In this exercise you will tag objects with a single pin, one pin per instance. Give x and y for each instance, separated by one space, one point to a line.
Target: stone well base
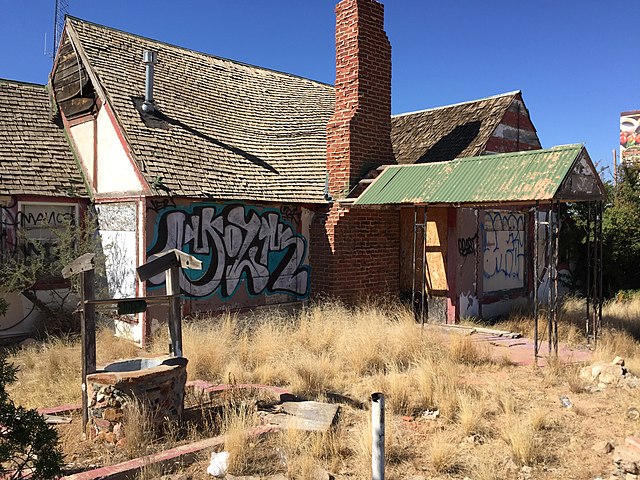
158 383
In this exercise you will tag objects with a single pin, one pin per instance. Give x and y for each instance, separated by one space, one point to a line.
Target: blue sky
577 63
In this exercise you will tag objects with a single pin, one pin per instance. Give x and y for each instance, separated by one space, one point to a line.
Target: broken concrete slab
307 415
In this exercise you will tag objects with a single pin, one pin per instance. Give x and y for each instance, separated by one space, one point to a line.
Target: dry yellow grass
471 412
238 417
138 428
444 453
520 437
330 348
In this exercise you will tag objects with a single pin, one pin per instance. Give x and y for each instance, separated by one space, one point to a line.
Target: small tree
621 232
32 262
620 235
28 446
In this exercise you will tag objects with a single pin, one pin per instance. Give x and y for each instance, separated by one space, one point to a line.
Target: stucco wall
115 170
83 136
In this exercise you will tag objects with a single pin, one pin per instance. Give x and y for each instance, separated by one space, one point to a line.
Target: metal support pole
413 259
172 277
536 238
377 436
556 253
588 322
549 274
424 269
88 333
600 268
594 272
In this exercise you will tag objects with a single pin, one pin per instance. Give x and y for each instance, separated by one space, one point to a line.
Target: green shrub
28 446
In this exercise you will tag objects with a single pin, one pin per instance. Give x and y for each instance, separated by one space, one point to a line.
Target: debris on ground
305 415
430 414
626 462
604 447
56 419
565 402
219 464
600 375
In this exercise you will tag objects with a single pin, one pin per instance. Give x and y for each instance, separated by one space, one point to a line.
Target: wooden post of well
175 309
84 265
88 331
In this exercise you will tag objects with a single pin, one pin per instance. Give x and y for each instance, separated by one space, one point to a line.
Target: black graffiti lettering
468 246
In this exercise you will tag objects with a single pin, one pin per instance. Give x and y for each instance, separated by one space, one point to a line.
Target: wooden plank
81 264
71 76
165 261
182 455
88 334
56 419
63 71
436 249
69 90
175 310
77 106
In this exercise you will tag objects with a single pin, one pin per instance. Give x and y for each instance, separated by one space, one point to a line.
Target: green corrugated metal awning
502 178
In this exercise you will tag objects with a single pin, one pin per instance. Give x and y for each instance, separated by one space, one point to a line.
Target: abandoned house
41 191
286 187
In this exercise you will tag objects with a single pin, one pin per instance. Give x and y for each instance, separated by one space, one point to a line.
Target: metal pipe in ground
377 436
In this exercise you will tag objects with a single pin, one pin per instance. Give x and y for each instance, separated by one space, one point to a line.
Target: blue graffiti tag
503 246
237 245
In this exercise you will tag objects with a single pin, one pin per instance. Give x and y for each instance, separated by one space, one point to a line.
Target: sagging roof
563 173
35 157
226 129
444 133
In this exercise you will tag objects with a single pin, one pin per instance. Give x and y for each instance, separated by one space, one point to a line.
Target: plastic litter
219 464
566 403
430 414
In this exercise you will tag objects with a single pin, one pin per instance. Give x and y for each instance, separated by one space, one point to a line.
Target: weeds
349 352
138 428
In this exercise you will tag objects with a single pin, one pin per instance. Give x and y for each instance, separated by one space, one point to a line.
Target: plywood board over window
42 223
435 250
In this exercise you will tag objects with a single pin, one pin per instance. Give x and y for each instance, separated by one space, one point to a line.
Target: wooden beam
88 334
175 310
81 264
165 261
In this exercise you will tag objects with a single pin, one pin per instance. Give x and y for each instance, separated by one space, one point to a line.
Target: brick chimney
359 132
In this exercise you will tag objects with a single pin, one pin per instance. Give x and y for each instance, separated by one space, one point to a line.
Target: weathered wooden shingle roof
228 130
35 158
445 133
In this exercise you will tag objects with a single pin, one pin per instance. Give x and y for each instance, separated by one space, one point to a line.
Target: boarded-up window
42 224
503 250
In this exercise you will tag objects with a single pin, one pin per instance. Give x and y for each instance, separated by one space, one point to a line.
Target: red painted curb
60 409
185 454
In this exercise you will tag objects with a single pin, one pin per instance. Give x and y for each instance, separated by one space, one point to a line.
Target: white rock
219 464
618 361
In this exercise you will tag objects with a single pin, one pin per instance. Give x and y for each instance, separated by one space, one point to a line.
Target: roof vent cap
149 58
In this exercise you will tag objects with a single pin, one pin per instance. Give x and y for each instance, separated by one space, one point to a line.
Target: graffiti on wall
503 250
238 244
38 223
467 246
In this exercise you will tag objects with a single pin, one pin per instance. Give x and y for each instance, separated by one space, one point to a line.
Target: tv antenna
62 8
